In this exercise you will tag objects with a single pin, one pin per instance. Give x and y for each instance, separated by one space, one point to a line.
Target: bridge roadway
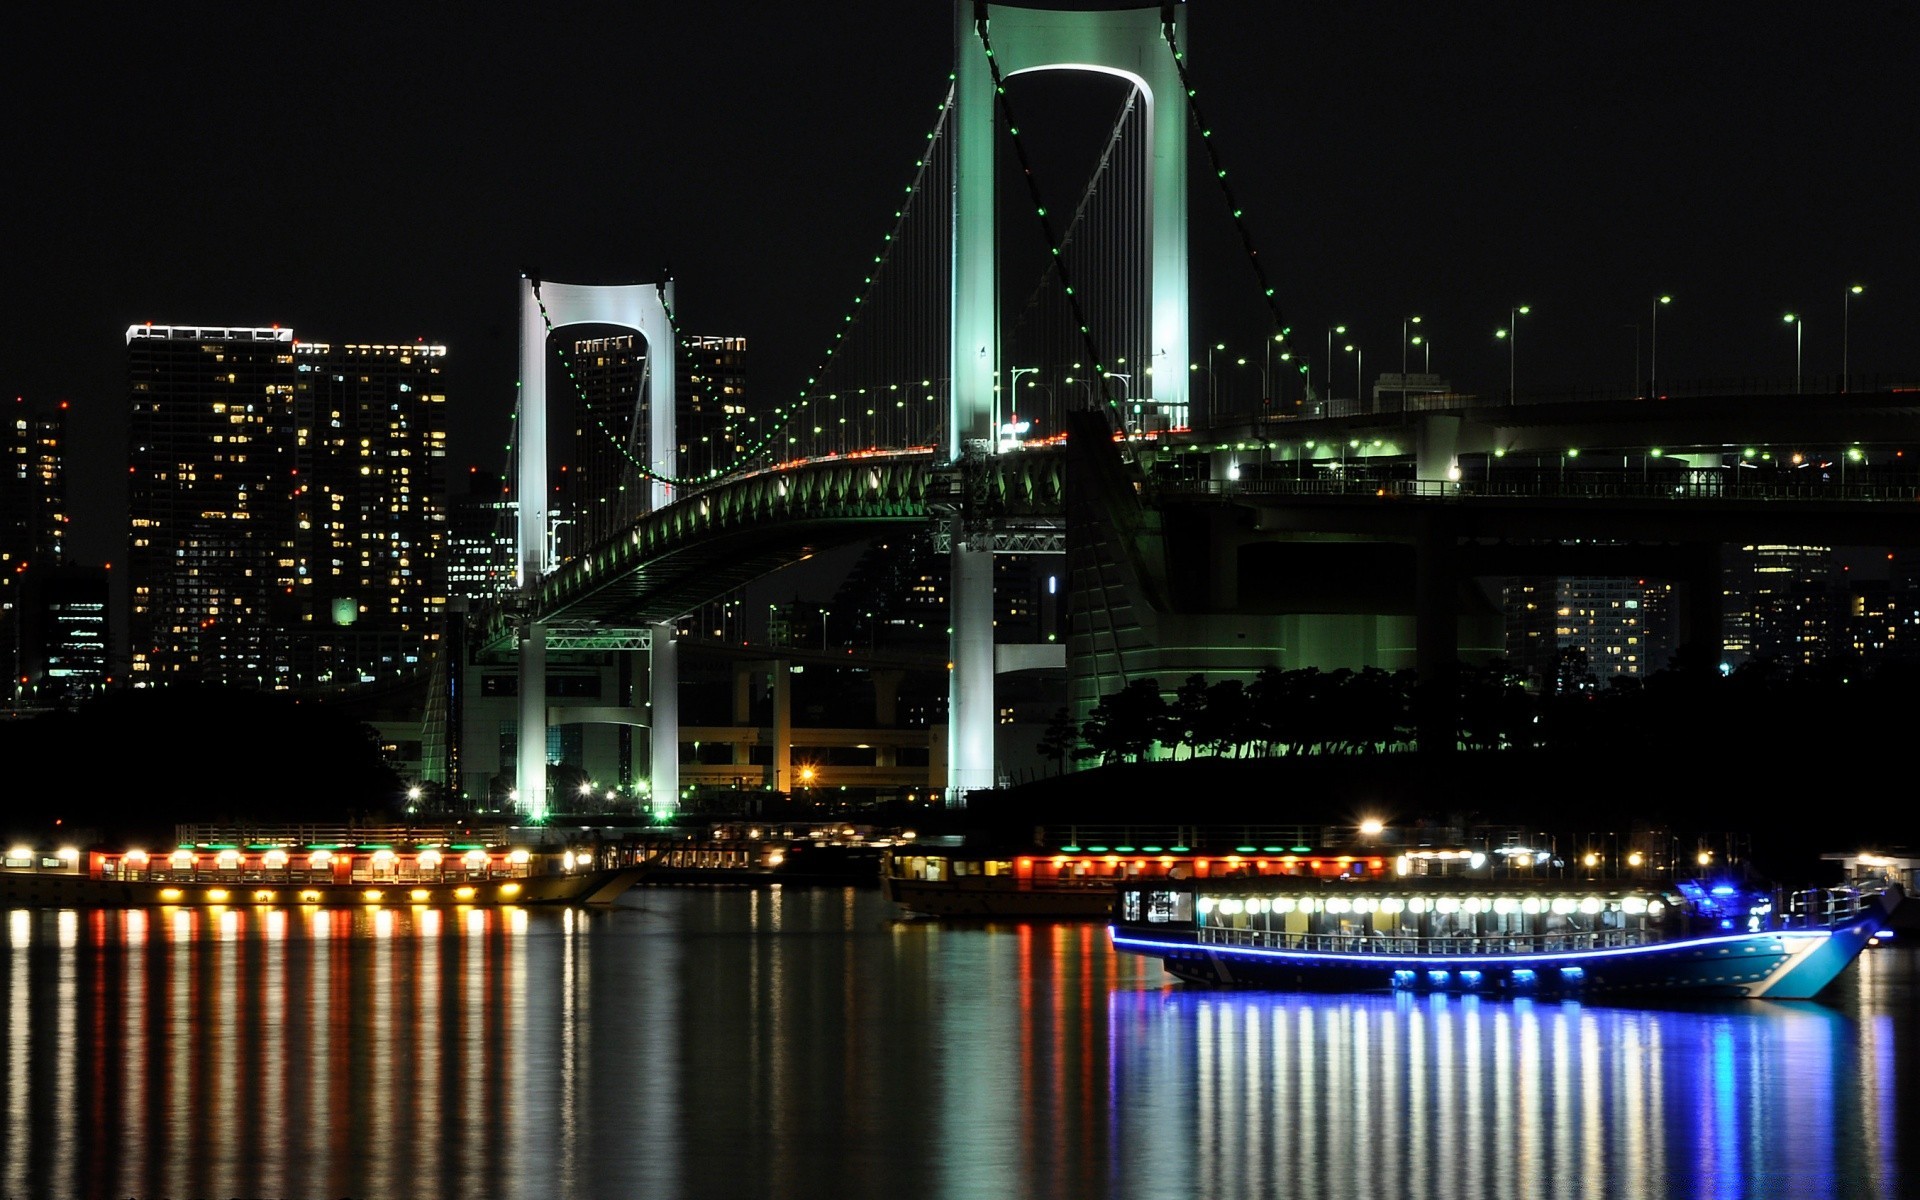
1646 471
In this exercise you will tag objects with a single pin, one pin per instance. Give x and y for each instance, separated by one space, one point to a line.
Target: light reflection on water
800 1043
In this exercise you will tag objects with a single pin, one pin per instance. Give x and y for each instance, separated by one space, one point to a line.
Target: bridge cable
1046 222
1280 328
580 391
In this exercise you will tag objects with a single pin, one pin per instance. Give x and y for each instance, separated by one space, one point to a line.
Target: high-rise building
710 401
63 647
286 507
33 528
480 535
599 481
1782 604
1575 633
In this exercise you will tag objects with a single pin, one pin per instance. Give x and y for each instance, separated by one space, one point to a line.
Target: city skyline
1391 162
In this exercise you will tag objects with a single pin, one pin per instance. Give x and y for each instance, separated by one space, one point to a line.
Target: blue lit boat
1458 934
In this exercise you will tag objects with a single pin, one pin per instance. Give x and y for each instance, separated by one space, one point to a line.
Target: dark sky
386 172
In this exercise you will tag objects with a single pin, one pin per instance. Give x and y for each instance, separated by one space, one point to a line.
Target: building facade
287 510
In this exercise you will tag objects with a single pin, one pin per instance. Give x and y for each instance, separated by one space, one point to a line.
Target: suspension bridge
922 413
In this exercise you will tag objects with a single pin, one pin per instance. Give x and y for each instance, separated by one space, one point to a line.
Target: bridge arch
1127 43
644 308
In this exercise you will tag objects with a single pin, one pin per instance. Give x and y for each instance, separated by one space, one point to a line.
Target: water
802 1042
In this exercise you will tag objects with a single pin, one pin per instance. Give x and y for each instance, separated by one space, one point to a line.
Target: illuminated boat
274 872
1465 934
1072 876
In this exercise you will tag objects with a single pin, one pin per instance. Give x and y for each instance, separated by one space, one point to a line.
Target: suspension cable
580 391
1040 210
1280 329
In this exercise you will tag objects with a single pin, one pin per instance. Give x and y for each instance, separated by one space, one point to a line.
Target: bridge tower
1130 43
644 308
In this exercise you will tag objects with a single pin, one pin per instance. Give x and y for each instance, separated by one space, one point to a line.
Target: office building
286 508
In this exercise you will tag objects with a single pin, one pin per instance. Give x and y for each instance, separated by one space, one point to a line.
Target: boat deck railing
1437 947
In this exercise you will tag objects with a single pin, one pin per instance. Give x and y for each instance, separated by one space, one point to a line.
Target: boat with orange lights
326 866
1071 873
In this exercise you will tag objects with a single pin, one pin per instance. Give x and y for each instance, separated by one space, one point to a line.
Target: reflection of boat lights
419 893
309 896
217 895
509 889
463 893
263 895
373 895
169 893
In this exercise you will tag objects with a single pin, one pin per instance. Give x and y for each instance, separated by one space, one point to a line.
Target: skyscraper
286 507
33 526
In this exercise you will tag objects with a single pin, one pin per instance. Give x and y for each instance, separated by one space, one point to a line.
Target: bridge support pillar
886 709
1436 633
970 708
1437 449
781 677
743 677
530 752
663 696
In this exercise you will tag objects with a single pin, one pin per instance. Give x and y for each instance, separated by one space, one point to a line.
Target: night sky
380 174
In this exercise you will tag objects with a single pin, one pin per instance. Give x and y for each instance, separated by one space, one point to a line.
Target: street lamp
1794 321
1213 384
1511 334
1653 349
1359 371
1846 302
1331 330
1266 372
1126 400
1013 397
1403 359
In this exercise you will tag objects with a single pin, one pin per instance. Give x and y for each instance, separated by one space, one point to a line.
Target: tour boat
272 870
1473 932
1070 873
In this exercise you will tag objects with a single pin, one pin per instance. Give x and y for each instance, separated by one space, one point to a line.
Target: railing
1532 486
1819 908
432 834
1343 943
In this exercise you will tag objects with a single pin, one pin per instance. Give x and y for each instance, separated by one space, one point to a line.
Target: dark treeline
134 763
1760 709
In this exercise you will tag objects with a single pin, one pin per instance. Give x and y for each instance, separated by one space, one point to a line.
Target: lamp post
1331 330
1127 420
1653 349
1266 373
1403 359
1794 321
1846 304
1013 399
1359 371
1213 384
1511 334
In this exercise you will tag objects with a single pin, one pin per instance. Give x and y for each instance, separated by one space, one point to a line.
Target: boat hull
993 898
51 889
1792 964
